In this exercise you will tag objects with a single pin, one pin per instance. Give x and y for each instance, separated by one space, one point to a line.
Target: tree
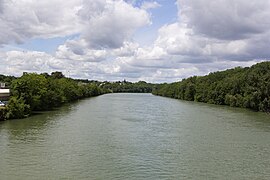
32 88
238 87
57 75
17 108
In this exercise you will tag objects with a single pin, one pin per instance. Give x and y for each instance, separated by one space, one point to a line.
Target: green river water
137 136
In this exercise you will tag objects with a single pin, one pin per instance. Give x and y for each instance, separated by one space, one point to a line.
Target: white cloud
208 36
178 39
155 53
208 31
77 50
150 5
17 62
102 23
108 23
128 49
226 19
20 20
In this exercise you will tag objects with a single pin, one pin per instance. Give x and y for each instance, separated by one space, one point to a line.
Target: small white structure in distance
4 94
2 85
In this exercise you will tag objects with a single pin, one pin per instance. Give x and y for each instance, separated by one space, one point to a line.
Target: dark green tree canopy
238 87
57 75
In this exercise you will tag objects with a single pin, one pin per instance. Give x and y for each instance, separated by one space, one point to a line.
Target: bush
3 113
17 108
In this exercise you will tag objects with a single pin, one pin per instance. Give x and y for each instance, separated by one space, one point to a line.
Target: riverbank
2 113
239 87
39 92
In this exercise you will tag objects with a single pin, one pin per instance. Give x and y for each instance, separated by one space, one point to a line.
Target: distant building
4 94
2 85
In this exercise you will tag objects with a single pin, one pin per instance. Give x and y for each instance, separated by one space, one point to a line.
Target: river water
137 136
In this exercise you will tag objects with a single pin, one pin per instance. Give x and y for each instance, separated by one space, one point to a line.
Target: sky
154 41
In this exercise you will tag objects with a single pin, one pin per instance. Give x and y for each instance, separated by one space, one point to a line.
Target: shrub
17 108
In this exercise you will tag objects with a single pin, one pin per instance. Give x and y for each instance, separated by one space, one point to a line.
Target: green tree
32 88
237 87
17 108
57 75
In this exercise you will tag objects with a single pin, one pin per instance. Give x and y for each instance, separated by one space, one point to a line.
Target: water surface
137 136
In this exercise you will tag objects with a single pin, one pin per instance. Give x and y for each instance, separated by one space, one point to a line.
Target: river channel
137 136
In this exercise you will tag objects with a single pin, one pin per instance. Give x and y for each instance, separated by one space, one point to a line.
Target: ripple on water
137 136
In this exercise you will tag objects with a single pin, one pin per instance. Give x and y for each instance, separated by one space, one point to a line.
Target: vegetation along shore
247 87
39 92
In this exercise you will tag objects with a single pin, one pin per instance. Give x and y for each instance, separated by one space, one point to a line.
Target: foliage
32 88
57 75
238 87
17 108
37 92
3 112
6 79
128 87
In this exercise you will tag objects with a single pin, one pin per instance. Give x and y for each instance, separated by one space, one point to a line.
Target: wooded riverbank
38 92
247 87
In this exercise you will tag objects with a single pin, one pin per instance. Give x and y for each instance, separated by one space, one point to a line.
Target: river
137 136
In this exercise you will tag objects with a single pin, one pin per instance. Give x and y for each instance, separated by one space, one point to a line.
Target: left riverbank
40 92
3 113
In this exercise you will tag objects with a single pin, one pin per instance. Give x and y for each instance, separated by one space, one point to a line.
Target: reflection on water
137 136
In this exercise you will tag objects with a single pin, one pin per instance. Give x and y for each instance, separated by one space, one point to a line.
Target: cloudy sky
151 40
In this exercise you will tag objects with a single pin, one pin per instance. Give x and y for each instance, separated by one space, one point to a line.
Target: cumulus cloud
25 19
207 31
77 50
226 19
127 50
207 36
17 62
109 23
102 23
150 5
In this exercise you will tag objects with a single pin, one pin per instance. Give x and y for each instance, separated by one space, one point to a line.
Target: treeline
6 79
38 92
239 87
122 86
127 87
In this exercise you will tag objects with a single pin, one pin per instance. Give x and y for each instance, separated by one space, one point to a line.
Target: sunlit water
137 136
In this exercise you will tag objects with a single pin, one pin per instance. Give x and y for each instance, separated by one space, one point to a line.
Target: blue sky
40 44
165 14
155 41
